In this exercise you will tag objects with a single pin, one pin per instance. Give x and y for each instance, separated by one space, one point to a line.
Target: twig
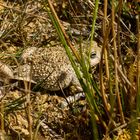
115 65
63 31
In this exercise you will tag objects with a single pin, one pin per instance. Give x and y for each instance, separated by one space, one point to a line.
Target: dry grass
114 104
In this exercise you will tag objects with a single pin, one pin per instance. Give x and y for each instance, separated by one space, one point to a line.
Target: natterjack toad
50 66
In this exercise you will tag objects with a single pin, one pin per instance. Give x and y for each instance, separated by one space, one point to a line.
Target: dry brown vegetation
37 114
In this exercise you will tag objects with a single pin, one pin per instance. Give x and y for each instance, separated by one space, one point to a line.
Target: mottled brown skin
49 66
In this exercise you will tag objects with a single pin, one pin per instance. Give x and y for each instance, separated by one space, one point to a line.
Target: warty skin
50 67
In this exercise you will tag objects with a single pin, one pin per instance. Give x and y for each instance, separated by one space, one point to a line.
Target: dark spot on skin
62 77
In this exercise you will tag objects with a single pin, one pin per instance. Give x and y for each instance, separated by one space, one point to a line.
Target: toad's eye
93 55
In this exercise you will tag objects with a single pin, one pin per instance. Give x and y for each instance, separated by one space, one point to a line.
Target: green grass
112 92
